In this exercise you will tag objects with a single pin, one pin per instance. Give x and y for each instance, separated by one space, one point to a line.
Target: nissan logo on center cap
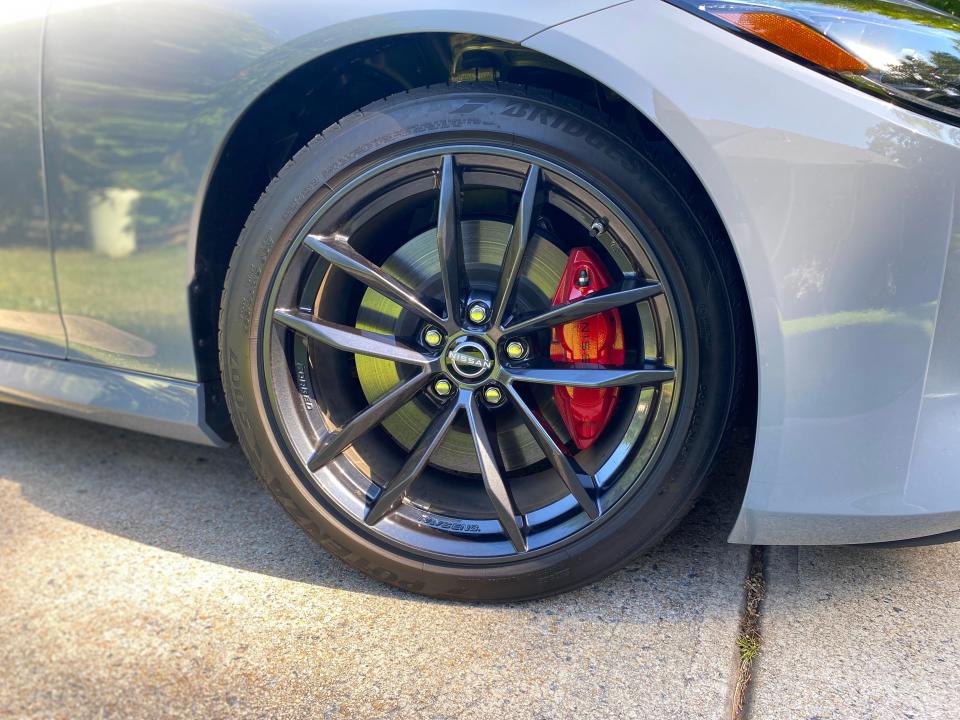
469 359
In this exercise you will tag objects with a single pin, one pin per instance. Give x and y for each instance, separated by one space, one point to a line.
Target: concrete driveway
860 633
148 578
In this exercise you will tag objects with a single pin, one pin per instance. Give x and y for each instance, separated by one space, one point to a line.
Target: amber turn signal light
794 37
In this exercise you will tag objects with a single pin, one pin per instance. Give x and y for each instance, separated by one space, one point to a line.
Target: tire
692 262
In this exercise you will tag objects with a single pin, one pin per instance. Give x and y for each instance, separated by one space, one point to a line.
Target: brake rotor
416 263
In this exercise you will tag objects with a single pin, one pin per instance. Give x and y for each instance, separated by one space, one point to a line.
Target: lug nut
477 313
516 350
493 394
432 337
443 387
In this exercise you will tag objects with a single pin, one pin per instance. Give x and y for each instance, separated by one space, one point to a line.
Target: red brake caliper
596 340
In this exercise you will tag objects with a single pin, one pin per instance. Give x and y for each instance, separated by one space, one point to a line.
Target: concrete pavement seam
748 635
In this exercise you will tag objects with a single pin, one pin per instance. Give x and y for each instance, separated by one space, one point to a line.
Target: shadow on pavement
206 503
144 577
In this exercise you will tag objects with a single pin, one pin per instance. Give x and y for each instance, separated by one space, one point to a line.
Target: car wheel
477 344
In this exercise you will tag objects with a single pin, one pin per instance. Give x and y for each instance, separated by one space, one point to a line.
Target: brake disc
417 264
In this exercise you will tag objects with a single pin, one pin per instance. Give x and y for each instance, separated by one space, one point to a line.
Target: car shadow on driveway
206 503
127 558
183 557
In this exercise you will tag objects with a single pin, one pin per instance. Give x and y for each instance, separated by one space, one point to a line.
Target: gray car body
841 209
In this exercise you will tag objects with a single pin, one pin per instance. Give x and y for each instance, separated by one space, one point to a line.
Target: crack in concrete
748 636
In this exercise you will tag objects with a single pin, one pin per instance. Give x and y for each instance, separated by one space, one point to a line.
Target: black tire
686 244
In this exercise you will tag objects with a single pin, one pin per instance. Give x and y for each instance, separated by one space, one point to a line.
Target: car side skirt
146 403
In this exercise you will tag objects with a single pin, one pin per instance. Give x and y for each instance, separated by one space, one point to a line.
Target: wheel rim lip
307 479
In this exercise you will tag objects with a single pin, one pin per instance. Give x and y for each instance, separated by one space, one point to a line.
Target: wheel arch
263 137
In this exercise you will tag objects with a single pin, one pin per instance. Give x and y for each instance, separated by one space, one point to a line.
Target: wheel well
312 97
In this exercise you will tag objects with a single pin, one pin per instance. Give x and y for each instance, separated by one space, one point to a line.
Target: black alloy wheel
389 331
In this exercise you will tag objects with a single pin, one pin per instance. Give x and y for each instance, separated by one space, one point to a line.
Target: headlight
903 50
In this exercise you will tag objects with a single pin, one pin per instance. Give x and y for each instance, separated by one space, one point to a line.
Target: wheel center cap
469 359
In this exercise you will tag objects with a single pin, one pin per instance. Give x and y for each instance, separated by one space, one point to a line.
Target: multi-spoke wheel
468 361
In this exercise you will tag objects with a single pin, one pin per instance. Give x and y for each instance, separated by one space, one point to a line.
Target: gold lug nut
516 350
432 337
443 387
493 395
477 313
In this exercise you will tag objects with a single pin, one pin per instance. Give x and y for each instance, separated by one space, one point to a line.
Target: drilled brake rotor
417 265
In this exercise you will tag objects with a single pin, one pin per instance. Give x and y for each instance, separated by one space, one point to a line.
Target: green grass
749 648
879 317
124 291
144 294
950 6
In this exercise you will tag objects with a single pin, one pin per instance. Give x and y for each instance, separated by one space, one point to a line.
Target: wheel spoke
350 339
337 251
492 478
585 307
593 377
516 246
339 440
576 480
449 240
392 493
